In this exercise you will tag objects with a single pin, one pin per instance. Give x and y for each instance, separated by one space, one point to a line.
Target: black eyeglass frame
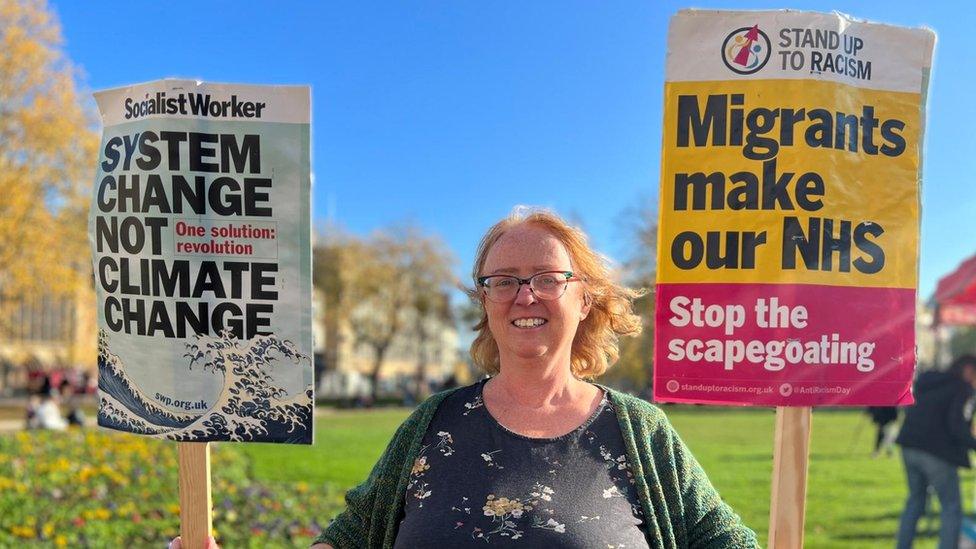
483 283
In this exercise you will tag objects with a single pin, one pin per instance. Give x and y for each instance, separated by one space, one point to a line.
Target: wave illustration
249 407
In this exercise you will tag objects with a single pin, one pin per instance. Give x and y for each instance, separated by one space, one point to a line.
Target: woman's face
548 326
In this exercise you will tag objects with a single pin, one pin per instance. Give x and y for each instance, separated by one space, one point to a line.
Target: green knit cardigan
681 508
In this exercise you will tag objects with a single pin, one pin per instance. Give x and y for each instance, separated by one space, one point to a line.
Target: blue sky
447 114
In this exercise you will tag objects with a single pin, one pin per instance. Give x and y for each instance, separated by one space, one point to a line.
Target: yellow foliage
47 147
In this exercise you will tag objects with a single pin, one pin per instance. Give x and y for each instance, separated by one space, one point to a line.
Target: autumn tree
47 151
329 257
634 370
429 277
388 287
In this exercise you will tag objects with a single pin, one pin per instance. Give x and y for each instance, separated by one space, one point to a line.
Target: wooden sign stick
791 451
196 515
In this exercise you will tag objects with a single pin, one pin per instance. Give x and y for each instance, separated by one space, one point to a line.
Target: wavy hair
595 346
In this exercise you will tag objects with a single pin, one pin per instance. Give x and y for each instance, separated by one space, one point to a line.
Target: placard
789 209
200 234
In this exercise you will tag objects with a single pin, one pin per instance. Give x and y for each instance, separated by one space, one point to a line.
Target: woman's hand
177 543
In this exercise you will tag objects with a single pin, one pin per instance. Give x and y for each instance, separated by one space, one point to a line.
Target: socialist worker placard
200 235
789 209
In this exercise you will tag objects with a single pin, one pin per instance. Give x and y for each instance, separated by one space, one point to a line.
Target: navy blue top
476 483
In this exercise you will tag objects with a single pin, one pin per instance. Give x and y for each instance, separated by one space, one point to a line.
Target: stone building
46 334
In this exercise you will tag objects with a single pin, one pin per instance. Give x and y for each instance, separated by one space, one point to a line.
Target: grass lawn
853 500
347 444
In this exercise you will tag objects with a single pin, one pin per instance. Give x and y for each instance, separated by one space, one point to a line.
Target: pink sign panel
784 345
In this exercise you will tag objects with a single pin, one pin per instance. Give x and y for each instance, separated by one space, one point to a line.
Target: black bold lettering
159 320
194 197
106 265
794 240
257 317
775 189
111 154
155 195
112 305
233 204
759 122
691 120
820 133
809 185
199 320
745 196
695 184
895 141
261 276
252 197
132 234
872 249
150 154
845 132
107 233
165 281
713 254
840 245
692 259
234 325
208 280
173 140
868 124
198 152
249 154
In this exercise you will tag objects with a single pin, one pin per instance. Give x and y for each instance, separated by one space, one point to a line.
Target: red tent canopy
956 295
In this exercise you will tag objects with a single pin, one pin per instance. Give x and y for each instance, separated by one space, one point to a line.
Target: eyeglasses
546 285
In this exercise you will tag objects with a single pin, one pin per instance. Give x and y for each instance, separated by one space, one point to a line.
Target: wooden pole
196 515
791 451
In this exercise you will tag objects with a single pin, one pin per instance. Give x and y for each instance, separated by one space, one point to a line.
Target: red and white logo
746 50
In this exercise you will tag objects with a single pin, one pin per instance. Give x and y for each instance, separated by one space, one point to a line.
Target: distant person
936 437
449 383
75 417
48 413
884 418
33 404
89 383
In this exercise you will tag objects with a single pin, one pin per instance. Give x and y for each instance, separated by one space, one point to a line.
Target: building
412 360
45 334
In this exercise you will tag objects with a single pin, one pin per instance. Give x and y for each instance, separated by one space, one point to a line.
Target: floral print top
475 483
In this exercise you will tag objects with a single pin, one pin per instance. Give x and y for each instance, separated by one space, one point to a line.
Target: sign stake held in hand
196 510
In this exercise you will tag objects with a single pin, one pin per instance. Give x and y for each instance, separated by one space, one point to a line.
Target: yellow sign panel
811 184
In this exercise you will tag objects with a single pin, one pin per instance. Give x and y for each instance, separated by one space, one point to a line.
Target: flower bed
87 488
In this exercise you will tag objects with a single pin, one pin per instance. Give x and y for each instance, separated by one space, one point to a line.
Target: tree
47 147
386 288
329 256
633 371
429 275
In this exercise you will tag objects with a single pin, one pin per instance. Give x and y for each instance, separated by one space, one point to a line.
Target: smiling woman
539 453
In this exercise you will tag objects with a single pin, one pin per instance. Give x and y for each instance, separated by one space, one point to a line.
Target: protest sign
789 209
201 247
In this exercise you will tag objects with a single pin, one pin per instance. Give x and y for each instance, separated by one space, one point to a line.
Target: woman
536 454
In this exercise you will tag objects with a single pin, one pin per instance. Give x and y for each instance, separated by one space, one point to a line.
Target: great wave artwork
249 408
